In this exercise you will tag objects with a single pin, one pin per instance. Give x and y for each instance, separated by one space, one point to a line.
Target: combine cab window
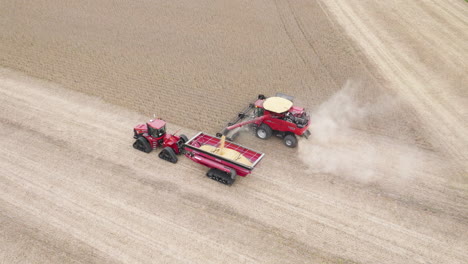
258 112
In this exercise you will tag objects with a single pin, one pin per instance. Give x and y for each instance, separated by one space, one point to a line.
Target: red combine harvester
153 134
226 160
272 116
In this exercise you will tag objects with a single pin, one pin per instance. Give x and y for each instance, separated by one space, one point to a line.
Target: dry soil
383 179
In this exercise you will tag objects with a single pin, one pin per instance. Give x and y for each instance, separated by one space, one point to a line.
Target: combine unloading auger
244 117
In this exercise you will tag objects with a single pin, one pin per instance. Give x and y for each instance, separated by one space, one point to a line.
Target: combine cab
272 116
152 135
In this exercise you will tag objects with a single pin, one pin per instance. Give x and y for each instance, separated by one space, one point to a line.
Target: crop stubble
192 63
79 193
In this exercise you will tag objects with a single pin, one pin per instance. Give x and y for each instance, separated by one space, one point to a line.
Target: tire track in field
395 239
86 209
118 206
90 194
306 51
279 218
438 100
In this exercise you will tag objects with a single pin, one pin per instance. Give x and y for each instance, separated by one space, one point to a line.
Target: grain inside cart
226 159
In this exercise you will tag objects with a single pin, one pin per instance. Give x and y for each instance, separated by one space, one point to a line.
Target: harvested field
382 180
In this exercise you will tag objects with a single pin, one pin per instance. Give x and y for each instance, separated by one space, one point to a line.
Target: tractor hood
140 129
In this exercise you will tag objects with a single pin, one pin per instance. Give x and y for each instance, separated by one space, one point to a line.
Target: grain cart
225 159
272 116
153 134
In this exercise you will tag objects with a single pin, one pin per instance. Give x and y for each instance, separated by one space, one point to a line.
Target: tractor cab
153 134
156 128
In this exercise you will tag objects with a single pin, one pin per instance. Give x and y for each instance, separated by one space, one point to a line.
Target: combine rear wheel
168 154
290 141
221 176
142 144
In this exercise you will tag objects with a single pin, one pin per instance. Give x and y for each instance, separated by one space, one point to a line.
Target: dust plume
341 145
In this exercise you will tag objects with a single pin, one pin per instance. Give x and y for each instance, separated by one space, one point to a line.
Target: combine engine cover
298 116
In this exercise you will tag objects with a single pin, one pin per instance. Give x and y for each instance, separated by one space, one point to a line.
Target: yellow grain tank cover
277 104
227 153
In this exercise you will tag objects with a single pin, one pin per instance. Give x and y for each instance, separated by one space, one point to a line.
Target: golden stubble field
382 180
205 58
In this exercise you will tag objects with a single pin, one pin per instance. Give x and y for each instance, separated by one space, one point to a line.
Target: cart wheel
142 144
264 131
221 176
184 138
233 176
168 154
290 141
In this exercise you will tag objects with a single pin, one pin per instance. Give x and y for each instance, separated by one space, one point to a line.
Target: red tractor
274 115
153 134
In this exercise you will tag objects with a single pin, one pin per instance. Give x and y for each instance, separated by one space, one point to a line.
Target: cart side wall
218 163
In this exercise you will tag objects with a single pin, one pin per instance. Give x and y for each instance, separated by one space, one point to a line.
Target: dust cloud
341 145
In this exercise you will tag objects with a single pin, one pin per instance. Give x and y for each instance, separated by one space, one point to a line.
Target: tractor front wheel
142 144
168 154
290 141
184 138
264 131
